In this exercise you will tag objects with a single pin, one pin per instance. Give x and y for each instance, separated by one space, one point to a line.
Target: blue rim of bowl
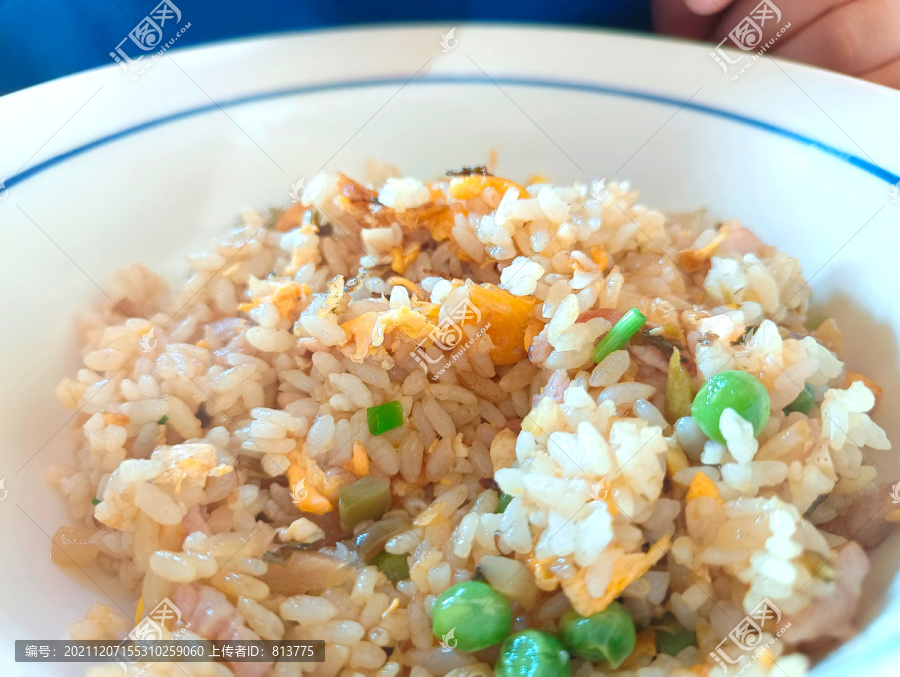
594 88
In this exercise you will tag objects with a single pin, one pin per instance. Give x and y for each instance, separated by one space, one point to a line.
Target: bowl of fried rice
459 401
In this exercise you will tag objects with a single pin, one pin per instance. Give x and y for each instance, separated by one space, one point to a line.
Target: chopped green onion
395 567
673 643
503 502
367 498
803 402
385 417
163 420
95 500
619 335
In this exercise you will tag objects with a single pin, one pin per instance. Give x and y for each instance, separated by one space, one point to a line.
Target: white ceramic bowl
102 170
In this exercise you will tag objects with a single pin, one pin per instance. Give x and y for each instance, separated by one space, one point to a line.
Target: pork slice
864 520
830 617
555 388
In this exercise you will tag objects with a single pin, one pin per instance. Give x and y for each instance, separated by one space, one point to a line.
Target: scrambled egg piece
359 461
701 485
473 185
867 382
625 571
311 490
401 260
188 464
599 257
369 329
411 322
362 204
115 418
336 300
286 298
692 260
510 318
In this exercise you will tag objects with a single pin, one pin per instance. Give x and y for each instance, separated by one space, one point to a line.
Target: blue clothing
45 39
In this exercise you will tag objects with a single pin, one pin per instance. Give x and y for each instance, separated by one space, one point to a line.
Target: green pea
532 653
673 643
607 635
470 616
736 390
504 501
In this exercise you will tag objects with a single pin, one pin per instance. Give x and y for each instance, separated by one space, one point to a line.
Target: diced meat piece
830 617
219 333
540 348
250 669
652 356
514 424
237 631
185 598
195 520
740 240
864 519
555 388
238 344
610 314
212 614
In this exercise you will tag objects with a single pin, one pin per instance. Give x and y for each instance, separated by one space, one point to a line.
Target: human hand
856 37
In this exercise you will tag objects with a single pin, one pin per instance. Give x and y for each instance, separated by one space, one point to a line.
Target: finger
707 7
799 14
887 75
857 38
672 17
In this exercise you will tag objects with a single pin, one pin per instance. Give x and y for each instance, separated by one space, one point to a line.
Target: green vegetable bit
273 557
373 538
673 643
95 500
385 417
608 636
679 389
619 335
736 390
532 653
814 319
502 503
803 402
367 498
395 567
470 616
163 420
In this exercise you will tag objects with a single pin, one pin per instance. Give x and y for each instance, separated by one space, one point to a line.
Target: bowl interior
568 104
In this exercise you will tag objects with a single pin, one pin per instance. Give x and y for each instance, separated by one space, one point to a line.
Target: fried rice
219 421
